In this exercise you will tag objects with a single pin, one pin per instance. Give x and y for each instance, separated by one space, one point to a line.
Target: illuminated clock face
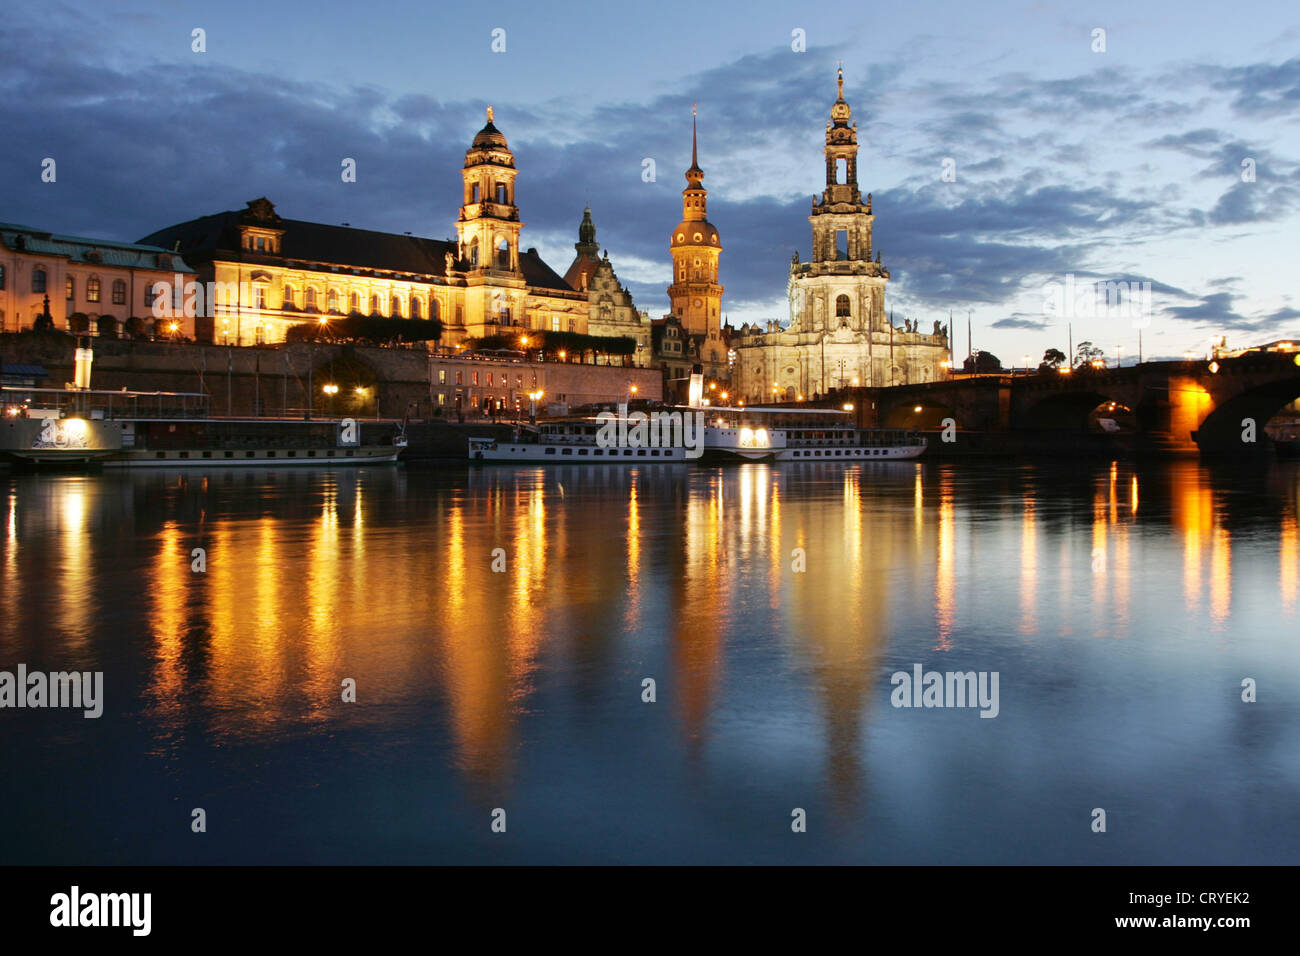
698 303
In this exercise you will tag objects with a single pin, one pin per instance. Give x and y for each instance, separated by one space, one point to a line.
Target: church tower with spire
695 294
840 335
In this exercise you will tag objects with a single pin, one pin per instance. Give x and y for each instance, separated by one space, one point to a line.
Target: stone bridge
1163 407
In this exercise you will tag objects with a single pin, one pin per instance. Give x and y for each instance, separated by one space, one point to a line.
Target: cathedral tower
695 294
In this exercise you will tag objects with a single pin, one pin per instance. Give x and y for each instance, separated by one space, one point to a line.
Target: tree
134 327
106 327
1085 354
1053 358
982 363
78 323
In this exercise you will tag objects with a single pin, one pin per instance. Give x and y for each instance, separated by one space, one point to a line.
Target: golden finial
489 114
694 108
840 80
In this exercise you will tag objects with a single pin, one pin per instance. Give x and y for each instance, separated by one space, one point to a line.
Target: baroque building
840 334
271 273
695 294
611 311
110 283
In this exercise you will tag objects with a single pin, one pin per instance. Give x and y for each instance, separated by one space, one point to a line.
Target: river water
500 625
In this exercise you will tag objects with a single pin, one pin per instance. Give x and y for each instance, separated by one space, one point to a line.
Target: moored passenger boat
44 427
802 434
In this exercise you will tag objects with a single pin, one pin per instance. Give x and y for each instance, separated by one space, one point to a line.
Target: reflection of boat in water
1286 440
47 426
679 434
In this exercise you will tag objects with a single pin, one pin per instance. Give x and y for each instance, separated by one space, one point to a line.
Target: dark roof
106 252
201 240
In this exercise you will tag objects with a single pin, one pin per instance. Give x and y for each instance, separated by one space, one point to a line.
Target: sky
1011 148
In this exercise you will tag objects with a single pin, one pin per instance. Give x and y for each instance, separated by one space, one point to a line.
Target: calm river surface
1121 607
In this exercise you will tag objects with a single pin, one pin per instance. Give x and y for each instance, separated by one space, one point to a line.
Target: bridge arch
1221 432
1069 411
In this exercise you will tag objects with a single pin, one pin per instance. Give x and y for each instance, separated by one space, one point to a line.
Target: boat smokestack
84 358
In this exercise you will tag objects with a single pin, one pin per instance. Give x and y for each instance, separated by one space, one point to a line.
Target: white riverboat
802 434
571 442
45 427
710 435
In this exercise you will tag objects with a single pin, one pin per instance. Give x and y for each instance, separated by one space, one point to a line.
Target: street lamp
331 391
1025 358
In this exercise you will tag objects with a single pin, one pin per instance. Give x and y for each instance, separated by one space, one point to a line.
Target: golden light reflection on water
1288 564
608 570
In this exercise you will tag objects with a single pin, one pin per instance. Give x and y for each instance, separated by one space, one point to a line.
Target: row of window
348 453
611 452
842 453
504 378
332 300
93 287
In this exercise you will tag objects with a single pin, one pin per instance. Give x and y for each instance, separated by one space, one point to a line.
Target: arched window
119 292
333 300
38 280
374 304
354 302
433 307
92 289
397 307
503 254
473 193
311 298
69 288
289 301
842 308
415 307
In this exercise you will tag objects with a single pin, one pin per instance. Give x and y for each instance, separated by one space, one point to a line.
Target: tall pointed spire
695 153
694 175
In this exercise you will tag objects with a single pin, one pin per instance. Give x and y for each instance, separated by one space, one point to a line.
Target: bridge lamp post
1025 359
1119 356
331 391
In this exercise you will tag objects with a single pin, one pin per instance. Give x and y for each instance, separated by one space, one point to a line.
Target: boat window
550 451
654 453
293 454
249 454
640 453
582 451
160 454
351 453
311 454
567 451
207 454
599 451
230 454
270 454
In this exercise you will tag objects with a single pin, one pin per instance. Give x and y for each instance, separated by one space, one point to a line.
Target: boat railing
102 403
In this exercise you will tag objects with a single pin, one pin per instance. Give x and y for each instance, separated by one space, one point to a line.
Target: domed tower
488 228
695 294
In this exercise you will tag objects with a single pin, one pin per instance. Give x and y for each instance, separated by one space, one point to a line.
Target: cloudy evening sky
1121 165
